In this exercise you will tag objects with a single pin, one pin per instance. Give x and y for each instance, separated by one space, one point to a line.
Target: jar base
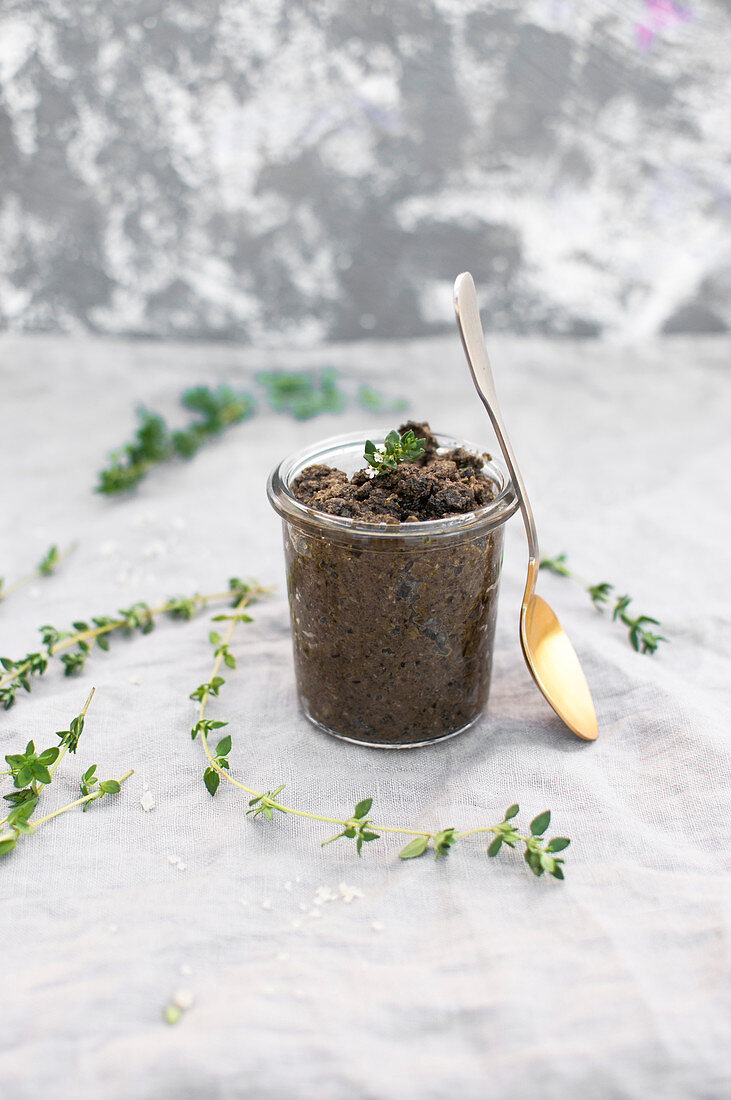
392 744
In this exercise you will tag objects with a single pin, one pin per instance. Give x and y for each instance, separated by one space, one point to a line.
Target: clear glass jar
392 623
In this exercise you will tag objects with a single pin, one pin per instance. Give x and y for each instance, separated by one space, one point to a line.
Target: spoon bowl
550 657
554 666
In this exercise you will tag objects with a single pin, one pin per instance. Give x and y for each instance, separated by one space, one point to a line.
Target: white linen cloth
467 977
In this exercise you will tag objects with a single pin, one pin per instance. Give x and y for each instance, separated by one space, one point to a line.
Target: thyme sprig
32 772
154 442
539 855
304 394
396 448
73 647
640 638
375 402
48 565
301 394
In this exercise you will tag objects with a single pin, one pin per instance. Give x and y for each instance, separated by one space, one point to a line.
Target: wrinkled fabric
465 977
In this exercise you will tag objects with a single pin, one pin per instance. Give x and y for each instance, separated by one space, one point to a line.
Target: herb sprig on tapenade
396 448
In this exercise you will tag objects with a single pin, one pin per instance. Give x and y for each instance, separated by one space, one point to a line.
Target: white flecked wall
288 171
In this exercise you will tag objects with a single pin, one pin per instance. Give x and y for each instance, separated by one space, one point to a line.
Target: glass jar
393 624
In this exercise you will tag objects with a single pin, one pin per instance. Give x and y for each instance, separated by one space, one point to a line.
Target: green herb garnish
640 638
396 448
32 772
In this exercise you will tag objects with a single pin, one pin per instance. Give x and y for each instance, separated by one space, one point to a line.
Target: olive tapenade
393 632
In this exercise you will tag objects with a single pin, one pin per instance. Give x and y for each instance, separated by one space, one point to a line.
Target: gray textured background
280 171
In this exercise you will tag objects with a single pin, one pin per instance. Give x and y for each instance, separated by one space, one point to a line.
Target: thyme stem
359 827
78 802
640 638
18 673
45 568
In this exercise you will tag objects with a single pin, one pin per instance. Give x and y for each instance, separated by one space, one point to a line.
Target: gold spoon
547 650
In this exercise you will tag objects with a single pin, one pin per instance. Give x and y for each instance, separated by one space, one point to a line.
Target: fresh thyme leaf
211 779
47 564
415 847
600 594
539 824
265 804
443 841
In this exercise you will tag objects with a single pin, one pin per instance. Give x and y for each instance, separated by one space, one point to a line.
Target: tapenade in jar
393 584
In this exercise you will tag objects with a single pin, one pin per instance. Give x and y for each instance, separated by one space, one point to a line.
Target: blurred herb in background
46 567
373 401
301 394
154 443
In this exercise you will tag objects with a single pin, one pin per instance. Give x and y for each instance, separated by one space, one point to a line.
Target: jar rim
481 520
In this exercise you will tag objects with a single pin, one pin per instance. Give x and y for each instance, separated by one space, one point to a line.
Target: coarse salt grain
147 802
323 894
136 680
266 904
377 926
186 970
287 886
154 549
182 999
349 893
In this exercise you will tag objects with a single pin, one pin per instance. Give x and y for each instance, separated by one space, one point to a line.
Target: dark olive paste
393 637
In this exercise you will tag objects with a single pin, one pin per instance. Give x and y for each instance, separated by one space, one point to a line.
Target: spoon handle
473 342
